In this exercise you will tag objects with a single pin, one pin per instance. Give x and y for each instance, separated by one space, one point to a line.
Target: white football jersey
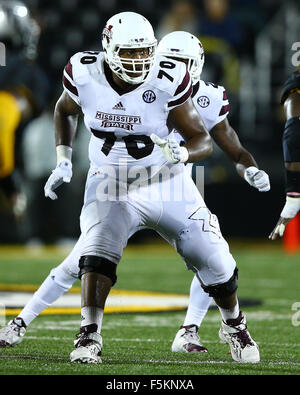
121 124
211 102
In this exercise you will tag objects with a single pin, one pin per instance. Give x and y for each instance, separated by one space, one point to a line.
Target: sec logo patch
203 101
149 96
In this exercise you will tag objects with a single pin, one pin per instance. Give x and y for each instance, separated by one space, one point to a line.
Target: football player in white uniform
126 79
212 104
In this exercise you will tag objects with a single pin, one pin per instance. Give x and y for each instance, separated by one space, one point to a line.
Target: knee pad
225 289
96 264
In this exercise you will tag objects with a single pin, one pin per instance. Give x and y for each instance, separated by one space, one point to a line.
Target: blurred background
248 49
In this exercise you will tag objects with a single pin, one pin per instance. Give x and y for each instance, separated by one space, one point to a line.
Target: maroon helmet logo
107 33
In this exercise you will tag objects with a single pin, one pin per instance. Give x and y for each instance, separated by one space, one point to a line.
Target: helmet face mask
133 70
186 46
132 32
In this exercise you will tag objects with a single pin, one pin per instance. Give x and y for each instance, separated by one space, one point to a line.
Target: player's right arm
65 120
188 122
198 144
65 124
66 114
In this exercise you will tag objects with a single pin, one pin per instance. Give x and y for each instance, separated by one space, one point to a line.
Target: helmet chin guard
129 30
184 45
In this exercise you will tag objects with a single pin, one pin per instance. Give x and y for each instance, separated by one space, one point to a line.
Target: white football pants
172 206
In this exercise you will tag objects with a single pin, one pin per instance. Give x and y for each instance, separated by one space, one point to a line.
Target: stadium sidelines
14 296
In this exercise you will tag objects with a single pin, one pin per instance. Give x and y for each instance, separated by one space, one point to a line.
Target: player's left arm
184 117
227 139
198 145
189 124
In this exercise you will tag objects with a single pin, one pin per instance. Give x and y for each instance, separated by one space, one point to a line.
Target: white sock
230 314
48 293
92 315
198 304
194 316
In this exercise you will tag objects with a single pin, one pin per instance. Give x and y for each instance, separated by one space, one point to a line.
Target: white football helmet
129 30
184 45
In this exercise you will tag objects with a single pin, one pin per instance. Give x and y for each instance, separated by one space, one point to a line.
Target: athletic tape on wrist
63 152
291 207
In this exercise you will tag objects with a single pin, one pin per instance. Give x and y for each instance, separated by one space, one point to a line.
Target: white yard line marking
150 321
116 339
158 361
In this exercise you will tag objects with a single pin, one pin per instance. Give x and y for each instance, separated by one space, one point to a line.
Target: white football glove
290 210
258 179
62 173
171 149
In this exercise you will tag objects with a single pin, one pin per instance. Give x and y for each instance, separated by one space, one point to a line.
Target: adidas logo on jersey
119 106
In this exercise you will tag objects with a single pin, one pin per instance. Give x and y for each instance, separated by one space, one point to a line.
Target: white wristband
291 208
63 152
184 154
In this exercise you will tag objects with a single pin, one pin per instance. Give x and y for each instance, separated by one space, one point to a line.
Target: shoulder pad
211 101
214 91
78 69
216 94
83 64
172 77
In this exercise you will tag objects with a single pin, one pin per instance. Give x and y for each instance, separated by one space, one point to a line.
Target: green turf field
139 344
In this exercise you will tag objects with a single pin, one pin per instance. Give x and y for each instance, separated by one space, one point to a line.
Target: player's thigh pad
105 224
106 228
204 249
188 224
